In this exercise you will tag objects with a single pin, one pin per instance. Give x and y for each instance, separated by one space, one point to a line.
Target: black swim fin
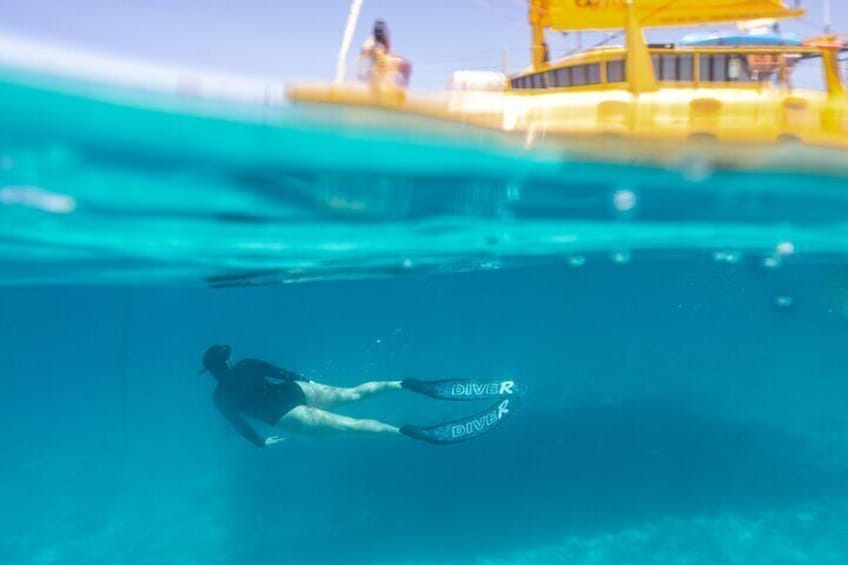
464 428
462 389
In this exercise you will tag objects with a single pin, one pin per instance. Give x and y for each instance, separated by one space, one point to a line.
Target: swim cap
216 358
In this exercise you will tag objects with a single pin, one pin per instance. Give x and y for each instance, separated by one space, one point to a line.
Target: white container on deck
486 81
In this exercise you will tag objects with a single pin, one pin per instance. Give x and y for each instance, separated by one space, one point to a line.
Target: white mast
828 16
352 18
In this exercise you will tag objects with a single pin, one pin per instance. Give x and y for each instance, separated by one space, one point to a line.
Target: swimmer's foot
462 389
462 429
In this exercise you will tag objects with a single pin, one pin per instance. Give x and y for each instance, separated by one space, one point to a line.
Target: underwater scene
675 333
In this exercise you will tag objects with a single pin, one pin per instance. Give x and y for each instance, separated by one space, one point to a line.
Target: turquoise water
679 329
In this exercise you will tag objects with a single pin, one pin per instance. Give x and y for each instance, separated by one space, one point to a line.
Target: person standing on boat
289 401
379 40
383 67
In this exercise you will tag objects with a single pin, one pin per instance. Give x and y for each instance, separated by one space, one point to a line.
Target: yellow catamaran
740 93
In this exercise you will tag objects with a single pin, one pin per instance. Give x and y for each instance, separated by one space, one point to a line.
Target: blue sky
291 39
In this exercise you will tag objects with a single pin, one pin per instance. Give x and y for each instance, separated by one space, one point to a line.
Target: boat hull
738 127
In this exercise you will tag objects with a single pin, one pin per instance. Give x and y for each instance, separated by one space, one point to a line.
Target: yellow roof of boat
577 15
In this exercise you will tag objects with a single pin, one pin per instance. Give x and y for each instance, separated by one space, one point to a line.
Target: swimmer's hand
269 441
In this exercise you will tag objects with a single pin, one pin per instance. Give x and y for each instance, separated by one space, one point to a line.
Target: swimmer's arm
240 425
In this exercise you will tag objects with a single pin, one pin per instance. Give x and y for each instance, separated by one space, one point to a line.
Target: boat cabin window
755 67
562 77
537 80
674 68
593 73
725 68
578 75
738 69
686 68
616 71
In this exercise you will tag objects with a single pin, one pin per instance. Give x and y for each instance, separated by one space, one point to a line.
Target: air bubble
785 248
730 257
772 262
576 261
784 301
624 200
621 257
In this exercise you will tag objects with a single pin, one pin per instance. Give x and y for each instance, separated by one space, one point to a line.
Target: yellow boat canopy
580 15
633 16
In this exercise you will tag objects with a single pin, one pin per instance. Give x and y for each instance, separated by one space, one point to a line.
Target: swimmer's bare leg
320 423
324 396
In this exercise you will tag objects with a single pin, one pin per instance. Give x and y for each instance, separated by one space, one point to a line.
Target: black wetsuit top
245 388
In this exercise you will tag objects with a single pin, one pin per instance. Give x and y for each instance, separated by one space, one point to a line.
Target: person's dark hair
215 359
381 33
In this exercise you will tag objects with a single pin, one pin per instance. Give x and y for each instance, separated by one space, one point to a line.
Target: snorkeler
291 402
